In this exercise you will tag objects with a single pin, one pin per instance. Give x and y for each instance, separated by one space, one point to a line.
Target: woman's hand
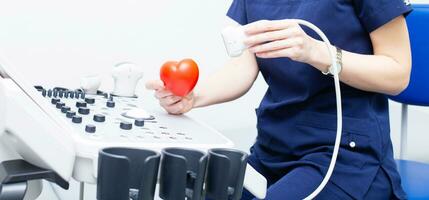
173 104
284 38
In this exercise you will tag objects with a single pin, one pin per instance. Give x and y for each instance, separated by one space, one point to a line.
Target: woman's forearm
229 83
387 71
375 73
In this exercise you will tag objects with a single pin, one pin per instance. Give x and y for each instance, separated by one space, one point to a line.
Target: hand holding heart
174 89
180 77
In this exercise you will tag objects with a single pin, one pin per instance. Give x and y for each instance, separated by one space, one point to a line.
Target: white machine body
31 131
41 134
2 108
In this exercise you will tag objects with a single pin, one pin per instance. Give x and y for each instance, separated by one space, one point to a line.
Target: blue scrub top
297 116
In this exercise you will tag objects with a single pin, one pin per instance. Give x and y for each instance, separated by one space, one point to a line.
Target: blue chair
415 175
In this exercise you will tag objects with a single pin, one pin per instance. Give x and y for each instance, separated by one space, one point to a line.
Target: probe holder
122 171
225 174
14 175
182 174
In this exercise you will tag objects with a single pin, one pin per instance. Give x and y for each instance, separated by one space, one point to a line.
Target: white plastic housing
233 37
2 107
30 130
90 84
126 76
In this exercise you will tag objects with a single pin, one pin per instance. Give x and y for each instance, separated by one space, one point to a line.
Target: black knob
110 104
66 94
82 95
38 87
77 119
126 125
65 109
59 105
55 101
80 104
83 111
76 94
55 93
71 95
49 93
61 94
139 122
44 92
90 100
90 128
70 114
99 118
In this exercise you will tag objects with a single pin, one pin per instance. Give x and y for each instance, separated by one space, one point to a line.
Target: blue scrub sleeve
375 13
237 12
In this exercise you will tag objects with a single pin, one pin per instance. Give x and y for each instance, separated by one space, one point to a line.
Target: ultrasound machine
113 140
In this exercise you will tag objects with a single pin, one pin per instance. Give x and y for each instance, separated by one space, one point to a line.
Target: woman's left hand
282 38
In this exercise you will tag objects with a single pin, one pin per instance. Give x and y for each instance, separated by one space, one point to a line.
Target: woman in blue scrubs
297 116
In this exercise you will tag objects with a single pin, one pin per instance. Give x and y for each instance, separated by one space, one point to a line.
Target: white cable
233 37
339 109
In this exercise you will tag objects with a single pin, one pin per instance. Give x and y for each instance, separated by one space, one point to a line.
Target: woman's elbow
400 82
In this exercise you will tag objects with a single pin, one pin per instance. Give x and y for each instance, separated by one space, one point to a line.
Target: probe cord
339 108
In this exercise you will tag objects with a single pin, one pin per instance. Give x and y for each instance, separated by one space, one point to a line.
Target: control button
59 105
38 87
138 114
99 118
65 109
71 94
139 122
70 114
90 100
66 94
61 94
83 111
77 119
55 101
352 144
49 93
110 104
55 93
44 93
82 95
80 104
126 125
90 128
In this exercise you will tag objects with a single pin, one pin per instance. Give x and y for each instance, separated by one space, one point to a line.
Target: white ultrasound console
64 129
105 120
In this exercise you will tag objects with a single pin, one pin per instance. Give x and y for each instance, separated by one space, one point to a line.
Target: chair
415 175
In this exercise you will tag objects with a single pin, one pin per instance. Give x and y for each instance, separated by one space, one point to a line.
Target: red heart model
180 77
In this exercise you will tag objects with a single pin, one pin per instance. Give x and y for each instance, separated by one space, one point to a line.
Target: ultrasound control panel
109 118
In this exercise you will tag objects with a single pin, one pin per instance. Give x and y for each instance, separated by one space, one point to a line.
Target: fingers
159 94
266 26
169 100
292 53
265 37
155 85
175 109
277 45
